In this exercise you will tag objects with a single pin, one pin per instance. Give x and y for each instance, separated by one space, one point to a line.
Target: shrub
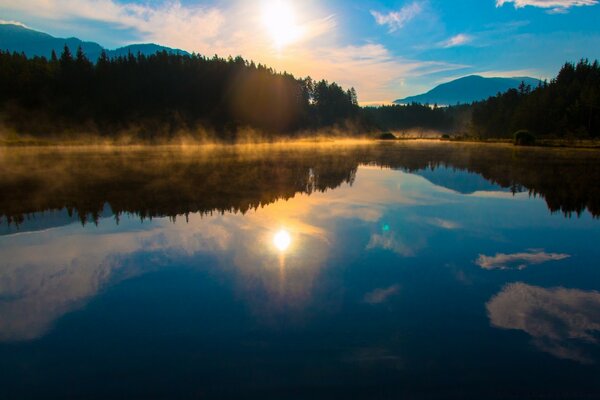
524 138
387 136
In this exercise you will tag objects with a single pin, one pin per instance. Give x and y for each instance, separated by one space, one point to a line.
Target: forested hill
468 89
567 106
161 95
16 38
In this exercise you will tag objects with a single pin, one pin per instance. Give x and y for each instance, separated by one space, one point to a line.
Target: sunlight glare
282 240
279 18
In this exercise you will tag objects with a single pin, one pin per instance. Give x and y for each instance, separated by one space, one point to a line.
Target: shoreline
588 144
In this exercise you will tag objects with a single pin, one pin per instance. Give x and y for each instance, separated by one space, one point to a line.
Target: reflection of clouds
46 274
443 223
559 320
392 242
517 260
381 295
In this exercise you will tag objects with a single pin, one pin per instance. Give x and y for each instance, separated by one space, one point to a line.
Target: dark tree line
162 94
406 117
567 106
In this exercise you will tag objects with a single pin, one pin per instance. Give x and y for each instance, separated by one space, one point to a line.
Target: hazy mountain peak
467 90
34 43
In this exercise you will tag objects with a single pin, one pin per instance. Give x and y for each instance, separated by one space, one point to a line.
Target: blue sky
386 49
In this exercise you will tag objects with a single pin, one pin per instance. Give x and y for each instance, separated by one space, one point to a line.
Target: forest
162 95
567 106
165 95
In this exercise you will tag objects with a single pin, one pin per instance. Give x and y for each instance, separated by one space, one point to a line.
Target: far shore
29 142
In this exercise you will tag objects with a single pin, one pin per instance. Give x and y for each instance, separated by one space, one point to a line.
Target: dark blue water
351 273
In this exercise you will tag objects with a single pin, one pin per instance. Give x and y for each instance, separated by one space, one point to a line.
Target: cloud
381 295
397 19
553 6
169 23
459 40
559 320
517 260
5 22
370 68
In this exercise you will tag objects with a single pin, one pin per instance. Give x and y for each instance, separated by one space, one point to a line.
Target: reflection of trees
162 182
566 179
171 182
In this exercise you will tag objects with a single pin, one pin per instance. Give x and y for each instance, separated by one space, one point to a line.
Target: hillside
33 43
467 90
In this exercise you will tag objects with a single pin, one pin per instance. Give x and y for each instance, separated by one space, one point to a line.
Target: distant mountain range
33 43
467 90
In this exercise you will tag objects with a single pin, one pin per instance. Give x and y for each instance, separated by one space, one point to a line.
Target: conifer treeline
567 106
162 94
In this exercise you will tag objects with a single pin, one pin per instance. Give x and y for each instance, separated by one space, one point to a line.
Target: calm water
412 271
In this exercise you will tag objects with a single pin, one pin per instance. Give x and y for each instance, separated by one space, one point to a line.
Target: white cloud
5 22
517 260
553 6
559 320
381 295
459 40
397 19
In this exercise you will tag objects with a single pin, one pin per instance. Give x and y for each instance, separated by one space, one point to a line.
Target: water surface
413 271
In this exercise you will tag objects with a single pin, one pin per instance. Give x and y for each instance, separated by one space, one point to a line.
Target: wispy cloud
553 6
396 20
517 260
459 40
5 22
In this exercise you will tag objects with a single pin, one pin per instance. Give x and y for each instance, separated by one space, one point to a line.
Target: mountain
467 90
33 43
463 182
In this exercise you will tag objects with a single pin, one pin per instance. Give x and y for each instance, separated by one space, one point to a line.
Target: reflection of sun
282 240
279 19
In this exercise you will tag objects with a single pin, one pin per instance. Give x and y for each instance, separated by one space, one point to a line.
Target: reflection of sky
392 242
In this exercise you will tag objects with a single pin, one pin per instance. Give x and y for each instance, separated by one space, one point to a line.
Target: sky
386 49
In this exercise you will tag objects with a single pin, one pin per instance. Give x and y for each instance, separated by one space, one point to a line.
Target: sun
282 240
279 19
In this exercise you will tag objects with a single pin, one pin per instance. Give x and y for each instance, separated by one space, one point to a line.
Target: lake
415 270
